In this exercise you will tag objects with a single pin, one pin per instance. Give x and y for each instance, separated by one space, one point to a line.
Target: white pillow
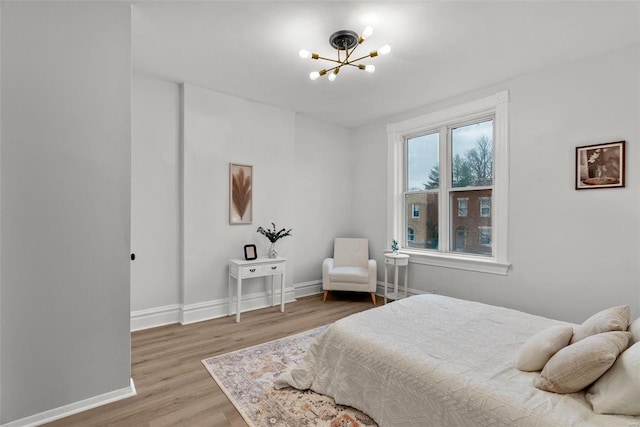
538 349
611 319
618 390
634 328
578 365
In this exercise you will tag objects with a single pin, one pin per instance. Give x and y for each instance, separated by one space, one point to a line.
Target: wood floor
174 388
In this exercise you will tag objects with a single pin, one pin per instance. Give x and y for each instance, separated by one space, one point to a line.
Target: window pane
472 155
422 232
463 205
471 234
485 206
423 171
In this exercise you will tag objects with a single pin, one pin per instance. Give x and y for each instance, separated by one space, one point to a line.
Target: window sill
460 262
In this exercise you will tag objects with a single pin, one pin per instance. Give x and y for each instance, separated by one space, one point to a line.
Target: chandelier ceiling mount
344 39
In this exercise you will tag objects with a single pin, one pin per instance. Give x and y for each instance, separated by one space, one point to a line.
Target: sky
423 150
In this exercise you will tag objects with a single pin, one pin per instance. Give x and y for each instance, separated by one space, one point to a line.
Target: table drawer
251 271
400 261
273 268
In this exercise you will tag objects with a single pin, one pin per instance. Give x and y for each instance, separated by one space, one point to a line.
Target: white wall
303 170
218 130
322 195
65 151
572 252
155 191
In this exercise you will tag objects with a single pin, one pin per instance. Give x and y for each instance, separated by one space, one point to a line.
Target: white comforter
430 360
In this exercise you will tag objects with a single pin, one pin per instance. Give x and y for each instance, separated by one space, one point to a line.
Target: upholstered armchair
350 269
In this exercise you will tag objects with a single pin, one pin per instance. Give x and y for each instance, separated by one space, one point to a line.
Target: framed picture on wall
600 166
240 194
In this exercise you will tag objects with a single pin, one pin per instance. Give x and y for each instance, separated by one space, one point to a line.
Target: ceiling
249 49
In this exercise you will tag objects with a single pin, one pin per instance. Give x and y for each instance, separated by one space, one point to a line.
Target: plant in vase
273 236
394 246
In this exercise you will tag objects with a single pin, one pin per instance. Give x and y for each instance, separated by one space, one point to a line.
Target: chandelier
345 42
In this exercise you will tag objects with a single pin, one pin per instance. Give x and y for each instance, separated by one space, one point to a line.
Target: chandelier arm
359 59
329 70
346 60
329 59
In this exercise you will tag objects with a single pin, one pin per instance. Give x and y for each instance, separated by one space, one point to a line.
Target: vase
273 253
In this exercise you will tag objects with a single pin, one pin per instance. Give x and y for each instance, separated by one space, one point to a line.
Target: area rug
246 377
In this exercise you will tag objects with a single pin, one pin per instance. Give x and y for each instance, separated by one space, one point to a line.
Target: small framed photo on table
600 166
250 252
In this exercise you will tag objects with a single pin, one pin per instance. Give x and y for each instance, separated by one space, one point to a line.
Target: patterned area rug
246 377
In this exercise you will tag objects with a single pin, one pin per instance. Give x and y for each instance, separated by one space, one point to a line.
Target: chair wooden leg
324 298
373 298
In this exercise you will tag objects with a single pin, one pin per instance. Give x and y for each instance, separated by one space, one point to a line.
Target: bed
431 360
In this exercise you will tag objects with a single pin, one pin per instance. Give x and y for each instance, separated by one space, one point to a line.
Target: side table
241 269
395 260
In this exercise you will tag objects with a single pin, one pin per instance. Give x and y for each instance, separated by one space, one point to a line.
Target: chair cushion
349 274
351 252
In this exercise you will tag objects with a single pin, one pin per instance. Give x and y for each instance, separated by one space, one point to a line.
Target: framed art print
240 194
600 166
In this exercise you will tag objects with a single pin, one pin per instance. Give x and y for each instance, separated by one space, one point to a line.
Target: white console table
240 269
395 260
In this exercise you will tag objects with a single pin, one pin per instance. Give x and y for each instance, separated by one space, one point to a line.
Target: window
461 238
463 206
485 236
416 210
485 206
453 164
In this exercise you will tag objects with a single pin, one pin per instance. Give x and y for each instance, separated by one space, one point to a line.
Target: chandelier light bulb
384 50
304 54
367 32
333 75
370 68
314 75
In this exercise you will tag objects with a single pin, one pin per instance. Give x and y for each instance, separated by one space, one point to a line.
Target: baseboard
191 313
306 289
208 310
154 317
74 408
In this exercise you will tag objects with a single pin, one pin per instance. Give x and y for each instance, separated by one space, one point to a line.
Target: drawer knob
252 270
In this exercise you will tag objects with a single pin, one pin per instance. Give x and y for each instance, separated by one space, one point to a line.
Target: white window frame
466 208
497 106
415 207
483 199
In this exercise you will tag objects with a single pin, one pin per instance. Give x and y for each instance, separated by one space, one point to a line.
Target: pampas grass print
241 193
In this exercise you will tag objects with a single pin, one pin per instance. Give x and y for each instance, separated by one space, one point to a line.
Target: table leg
406 273
395 281
385 283
238 299
230 295
272 292
281 292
